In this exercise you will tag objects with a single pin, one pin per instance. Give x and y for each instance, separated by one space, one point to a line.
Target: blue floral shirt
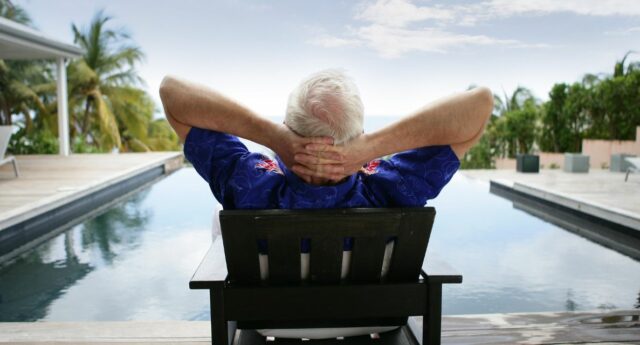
240 179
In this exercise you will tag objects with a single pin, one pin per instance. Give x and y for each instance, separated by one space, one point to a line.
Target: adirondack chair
242 302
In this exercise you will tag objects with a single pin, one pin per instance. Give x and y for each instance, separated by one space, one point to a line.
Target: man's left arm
187 105
458 120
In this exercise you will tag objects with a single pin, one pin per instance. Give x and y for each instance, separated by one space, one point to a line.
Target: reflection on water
134 261
28 288
513 262
131 262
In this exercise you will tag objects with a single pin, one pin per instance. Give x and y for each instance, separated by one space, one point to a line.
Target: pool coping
29 225
608 213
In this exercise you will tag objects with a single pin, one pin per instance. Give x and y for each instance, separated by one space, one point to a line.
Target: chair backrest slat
366 260
326 259
411 242
369 228
240 249
284 259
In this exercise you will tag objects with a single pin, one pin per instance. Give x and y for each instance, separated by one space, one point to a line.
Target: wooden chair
241 302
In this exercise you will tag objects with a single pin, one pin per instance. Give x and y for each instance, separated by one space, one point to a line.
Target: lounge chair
634 166
5 134
11 159
243 302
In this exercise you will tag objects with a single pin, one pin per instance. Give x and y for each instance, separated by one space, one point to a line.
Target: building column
63 113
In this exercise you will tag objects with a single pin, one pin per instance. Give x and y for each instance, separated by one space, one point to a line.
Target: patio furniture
5 135
634 166
619 163
527 163
576 163
242 302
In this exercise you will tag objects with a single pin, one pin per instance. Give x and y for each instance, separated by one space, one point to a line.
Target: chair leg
432 320
222 331
15 168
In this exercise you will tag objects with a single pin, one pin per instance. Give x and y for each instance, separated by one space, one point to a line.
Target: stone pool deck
618 327
599 193
53 191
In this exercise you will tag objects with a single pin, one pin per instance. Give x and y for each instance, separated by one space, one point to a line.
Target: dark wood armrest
212 271
438 271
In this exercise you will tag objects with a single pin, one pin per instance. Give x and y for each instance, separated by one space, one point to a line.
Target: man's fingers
324 172
314 160
321 140
322 148
332 156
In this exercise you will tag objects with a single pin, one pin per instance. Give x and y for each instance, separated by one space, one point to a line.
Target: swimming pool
134 261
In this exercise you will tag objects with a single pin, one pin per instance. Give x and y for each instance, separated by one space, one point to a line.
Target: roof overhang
19 41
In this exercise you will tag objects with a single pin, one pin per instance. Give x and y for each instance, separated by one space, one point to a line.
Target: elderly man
324 108
323 158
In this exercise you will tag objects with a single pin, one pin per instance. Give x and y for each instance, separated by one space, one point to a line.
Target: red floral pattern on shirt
371 167
269 165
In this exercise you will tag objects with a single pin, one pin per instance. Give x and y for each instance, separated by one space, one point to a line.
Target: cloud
392 42
623 32
581 7
396 27
334 42
398 13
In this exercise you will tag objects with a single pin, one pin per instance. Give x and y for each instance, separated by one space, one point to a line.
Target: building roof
18 41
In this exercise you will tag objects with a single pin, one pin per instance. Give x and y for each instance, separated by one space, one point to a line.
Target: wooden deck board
520 328
47 181
600 193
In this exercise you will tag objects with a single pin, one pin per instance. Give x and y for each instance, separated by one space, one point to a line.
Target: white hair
326 103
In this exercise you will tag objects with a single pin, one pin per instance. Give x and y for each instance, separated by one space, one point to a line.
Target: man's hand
333 162
288 144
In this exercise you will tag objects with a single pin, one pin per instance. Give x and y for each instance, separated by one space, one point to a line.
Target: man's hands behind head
331 162
287 144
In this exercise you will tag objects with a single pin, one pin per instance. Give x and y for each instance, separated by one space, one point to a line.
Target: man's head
326 103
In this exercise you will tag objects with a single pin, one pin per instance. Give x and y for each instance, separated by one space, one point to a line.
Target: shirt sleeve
214 155
425 171
410 178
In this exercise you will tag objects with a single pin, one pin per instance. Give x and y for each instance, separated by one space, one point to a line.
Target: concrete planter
576 163
527 163
5 135
618 162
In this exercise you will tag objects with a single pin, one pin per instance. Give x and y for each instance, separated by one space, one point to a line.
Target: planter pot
527 163
619 163
576 163
5 134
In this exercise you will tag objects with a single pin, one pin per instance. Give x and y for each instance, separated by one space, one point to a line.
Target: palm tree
108 109
22 82
512 119
619 67
510 103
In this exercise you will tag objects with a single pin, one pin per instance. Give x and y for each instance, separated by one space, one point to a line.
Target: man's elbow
166 87
485 101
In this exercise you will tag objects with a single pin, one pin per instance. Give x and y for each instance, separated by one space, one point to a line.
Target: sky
402 54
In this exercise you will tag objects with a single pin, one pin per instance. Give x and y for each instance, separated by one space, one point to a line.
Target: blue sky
402 54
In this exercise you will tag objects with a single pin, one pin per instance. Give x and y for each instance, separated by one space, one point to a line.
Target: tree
615 112
21 82
109 108
565 116
515 129
100 80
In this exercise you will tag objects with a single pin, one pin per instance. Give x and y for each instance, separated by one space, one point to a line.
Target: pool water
134 261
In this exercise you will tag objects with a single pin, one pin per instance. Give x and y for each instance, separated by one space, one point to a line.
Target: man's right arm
457 120
187 104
